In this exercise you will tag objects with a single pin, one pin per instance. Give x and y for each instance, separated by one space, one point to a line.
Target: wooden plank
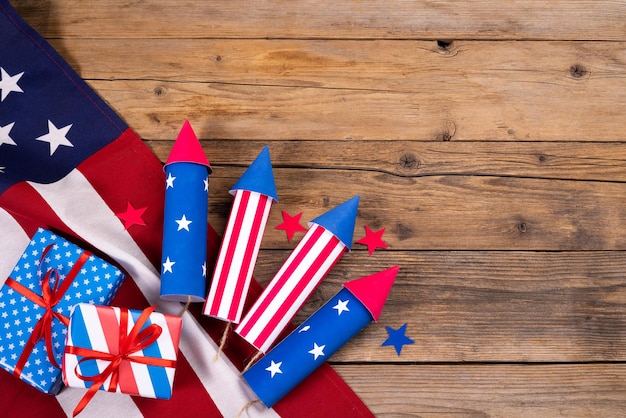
399 19
473 306
449 212
589 390
540 160
339 64
361 89
491 109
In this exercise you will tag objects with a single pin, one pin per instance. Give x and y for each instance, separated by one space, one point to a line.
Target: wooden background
488 138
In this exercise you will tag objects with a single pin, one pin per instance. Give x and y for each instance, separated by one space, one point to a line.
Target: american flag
254 194
315 255
70 164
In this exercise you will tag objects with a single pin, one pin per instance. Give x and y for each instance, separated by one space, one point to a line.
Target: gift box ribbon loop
53 288
136 340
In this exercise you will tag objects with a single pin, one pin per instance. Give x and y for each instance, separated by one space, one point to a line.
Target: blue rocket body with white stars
183 260
320 336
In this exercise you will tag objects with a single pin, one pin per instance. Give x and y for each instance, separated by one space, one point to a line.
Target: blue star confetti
397 338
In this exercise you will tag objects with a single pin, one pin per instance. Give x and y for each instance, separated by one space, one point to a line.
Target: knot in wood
577 71
159 91
522 227
444 44
409 162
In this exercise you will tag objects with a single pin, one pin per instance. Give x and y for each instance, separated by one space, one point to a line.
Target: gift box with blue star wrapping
51 276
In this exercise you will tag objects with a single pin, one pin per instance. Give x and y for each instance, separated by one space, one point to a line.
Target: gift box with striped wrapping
122 350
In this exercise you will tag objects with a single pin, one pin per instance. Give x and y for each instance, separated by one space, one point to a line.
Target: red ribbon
51 294
130 343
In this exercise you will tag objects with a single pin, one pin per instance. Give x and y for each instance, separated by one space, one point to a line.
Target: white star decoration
183 223
204 269
4 134
317 351
206 184
8 83
341 306
169 181
56 137
274 368
167 266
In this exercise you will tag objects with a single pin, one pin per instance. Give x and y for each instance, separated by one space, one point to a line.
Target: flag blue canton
183 265
307 347
50 120
96 282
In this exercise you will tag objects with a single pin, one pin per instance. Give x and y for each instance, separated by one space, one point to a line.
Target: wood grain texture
414 159
471 306
449 212
526 110
487 137
491 390
262 89
397 19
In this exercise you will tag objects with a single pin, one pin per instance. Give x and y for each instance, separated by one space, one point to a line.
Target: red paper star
291 224
132 216
373 240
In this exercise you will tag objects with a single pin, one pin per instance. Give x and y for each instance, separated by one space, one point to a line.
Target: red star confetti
132 216
373 240
291 224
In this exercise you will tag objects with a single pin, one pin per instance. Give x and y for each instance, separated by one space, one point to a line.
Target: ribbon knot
136 340
51 295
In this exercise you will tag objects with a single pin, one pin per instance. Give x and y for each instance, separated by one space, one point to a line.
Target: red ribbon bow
130 343
51 294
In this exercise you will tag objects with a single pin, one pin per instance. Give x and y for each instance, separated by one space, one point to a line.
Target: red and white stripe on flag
299 276
237 256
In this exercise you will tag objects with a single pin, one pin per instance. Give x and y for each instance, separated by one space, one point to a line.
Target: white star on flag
9 83
341 306
274 368
170 181
167 266
4 134
317 350
56 137
183 223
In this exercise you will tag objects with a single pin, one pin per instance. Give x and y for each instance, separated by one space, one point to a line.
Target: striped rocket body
237 256
299 276
97 328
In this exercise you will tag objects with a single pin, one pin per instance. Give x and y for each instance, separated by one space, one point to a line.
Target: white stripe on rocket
220 378
288 287
302 296
219 266
245 240
238 256
266 211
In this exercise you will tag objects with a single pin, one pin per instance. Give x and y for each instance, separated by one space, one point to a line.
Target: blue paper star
397 338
